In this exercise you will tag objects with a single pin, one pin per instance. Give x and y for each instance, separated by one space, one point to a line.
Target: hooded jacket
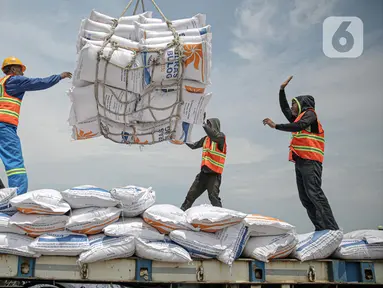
215 134
309 118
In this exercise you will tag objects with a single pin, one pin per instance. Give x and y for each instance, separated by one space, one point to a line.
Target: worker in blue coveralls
12 89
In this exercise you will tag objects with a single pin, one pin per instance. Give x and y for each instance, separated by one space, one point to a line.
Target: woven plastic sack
88 196
267 226
133 227
44 201
92 220
7 227
209 218
15 244
104 248
164 251
317 245
166 218
134 200
264 248
35 225
64 243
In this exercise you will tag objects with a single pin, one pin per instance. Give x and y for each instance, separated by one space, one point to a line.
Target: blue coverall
10 146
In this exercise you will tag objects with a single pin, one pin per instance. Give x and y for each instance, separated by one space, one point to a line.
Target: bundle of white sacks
96 224
141 104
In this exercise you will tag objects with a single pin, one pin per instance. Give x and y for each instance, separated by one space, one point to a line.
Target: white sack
148 20
263 248
115 103
44 201
267 226
168 39
209 218
102 18
6 194
97 39
161 251
15 244
235 239
115 76
133 227
196 63
148 34
226 245
7 227
370 236
146 133
86 130
126 31
35 225
63 243
199 244
88 196
92 220
106 248
352 249
317 245
197 21
134 200
166 218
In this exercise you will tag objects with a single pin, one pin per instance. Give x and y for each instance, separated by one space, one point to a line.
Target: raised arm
196 145
283 101
20 84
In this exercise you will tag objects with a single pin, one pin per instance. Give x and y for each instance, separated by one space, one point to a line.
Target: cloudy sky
256 46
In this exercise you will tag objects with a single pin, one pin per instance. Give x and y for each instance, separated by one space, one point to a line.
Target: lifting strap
173 119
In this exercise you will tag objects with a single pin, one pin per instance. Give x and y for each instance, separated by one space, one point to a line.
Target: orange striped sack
209 218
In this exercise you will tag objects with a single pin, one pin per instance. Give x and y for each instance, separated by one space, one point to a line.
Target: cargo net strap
174 118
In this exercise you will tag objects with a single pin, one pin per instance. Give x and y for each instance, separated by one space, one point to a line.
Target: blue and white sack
62 243
6 194
361 245
88 196
104 247
317 245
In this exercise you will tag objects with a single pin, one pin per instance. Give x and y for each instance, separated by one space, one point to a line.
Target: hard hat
380 227
12 61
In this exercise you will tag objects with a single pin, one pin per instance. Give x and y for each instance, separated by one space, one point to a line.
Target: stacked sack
208 232
361 245
270 238
115 237
141 90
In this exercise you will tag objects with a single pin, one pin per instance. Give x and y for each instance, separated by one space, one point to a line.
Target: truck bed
243 271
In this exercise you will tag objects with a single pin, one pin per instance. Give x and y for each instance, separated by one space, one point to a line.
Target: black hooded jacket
215 135
308 119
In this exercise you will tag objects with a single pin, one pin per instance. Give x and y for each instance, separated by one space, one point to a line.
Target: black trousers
203 181
309 181
1 184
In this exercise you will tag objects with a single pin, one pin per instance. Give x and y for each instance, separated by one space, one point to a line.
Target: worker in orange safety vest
213 161
307 152
12 90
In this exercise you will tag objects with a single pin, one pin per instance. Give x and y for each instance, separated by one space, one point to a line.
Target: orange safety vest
9 105
212 157
306 144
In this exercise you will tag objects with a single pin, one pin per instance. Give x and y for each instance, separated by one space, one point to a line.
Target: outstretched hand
268 121
66 75
284 84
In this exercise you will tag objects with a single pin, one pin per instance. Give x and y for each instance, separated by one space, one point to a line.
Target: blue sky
256 46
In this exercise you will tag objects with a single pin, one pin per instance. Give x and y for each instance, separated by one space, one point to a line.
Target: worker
12 89
307 152
213 161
